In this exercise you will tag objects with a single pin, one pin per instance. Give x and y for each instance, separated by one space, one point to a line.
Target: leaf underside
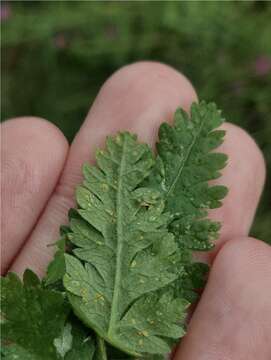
124 253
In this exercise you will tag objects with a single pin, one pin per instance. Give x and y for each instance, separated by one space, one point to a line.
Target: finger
136 98
33 155
244 176
233 318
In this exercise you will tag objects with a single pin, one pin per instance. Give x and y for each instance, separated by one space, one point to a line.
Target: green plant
126 257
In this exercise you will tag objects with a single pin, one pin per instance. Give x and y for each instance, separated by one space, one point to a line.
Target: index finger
138 98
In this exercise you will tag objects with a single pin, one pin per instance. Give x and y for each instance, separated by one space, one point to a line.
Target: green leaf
30 278
64 342
34 322
83 345
186 163
123 253
192 281
56 268
116 354
152 318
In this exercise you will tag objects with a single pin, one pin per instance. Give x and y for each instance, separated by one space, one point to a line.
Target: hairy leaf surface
124 253
185 165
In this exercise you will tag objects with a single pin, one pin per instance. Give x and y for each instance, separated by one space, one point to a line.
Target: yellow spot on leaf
98 297
104 187
143 333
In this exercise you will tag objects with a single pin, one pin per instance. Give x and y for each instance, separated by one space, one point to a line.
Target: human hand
233 318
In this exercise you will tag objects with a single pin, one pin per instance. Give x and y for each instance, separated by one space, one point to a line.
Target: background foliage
56 55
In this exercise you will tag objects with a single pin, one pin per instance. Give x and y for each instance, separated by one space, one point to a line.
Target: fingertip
33 156
158 79
138 97
39 130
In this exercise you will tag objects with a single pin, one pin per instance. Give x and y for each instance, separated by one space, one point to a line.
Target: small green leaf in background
64 343
83 344
33 322
56 268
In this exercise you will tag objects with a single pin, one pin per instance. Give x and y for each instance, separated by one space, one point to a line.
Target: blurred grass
56 55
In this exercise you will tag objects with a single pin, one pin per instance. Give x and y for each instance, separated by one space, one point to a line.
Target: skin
232 321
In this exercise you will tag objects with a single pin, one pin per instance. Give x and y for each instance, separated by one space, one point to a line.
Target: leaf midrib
119 201
183 163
